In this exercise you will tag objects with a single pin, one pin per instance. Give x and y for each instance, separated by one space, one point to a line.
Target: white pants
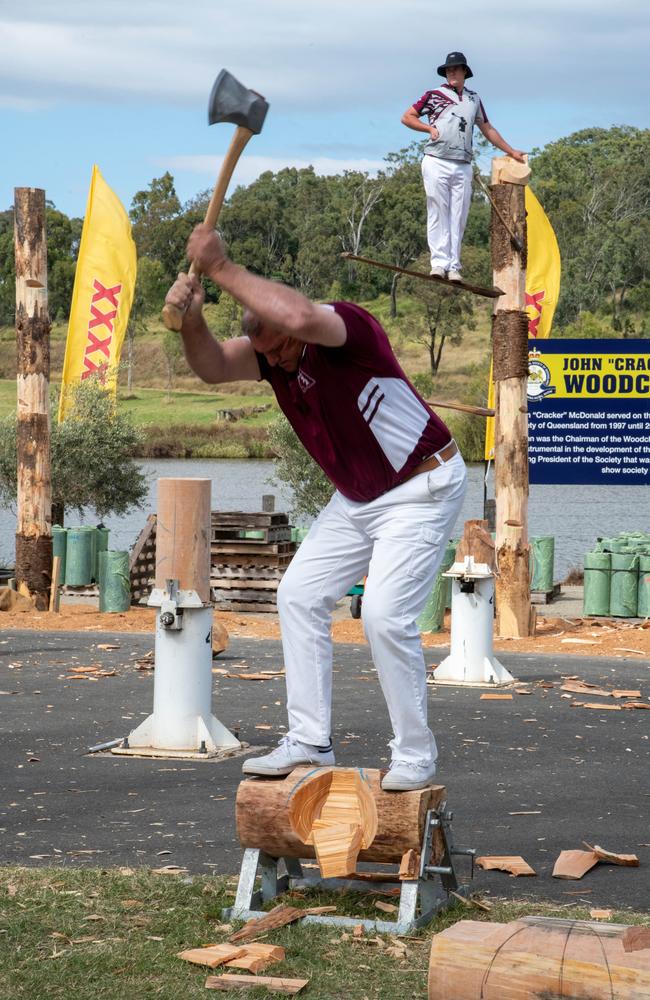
448 186
399 541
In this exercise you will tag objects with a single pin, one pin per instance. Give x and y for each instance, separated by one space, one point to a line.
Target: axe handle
172 316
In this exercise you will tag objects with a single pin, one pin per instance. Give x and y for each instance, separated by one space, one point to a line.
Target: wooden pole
514 615
34 485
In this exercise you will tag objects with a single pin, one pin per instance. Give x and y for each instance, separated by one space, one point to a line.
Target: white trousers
399 541
448 187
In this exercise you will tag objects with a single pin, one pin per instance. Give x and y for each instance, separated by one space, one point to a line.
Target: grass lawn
113 935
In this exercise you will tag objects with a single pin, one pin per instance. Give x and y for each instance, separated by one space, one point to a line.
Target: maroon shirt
355 411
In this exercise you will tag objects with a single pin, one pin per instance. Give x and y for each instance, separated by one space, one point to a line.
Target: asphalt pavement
530 776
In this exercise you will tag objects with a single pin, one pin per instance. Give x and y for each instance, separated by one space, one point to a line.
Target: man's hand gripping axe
229 101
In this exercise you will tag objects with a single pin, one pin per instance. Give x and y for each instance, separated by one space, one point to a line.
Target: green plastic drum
59 546
643 608
598 566
624 592
79 557
101 545
542 563
114 581
433 614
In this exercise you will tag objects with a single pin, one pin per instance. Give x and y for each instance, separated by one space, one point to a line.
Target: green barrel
114 581
59 546
101 545
624 589
542 563
643 609
433 614
598 566
79 557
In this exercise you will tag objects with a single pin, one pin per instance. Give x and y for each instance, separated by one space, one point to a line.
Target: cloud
250 167
319 56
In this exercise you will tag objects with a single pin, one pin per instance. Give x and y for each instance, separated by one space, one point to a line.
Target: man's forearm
497 140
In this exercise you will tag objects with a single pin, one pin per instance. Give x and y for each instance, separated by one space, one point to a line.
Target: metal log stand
420 898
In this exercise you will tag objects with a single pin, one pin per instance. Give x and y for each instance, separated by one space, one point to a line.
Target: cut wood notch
336 812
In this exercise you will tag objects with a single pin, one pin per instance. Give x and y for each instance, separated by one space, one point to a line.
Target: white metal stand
182 719
471 660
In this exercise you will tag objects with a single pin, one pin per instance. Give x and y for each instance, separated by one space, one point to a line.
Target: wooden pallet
242 519
259 607
256 536
244 594
243 582
244 547
224 571
142 562
545 596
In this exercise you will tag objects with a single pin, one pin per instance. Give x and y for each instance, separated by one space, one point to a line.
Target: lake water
575 515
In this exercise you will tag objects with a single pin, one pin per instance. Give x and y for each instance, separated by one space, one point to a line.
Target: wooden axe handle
172 316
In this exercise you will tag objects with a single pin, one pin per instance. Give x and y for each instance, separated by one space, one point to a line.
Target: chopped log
273 983
263 815
211 955
182 540
256 957
536 957
478 543
610 858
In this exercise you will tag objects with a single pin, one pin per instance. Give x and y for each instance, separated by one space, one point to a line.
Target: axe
229 101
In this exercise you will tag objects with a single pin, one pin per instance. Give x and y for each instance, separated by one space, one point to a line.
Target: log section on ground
264 809
463 286
536 957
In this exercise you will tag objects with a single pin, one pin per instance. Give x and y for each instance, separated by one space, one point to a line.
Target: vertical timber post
34 485
514 616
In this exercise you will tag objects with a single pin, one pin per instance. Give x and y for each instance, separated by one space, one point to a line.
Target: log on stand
264 815
537 957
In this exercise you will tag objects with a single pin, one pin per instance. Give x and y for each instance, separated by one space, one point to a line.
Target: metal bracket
263 878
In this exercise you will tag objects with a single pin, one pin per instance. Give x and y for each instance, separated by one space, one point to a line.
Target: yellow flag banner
543 271
103 292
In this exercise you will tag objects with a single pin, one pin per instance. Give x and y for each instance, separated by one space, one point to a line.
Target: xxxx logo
534 300
305 381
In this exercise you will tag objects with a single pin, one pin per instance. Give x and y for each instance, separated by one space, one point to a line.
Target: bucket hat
454 59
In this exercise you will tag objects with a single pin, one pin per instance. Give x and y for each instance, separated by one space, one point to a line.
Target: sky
126 84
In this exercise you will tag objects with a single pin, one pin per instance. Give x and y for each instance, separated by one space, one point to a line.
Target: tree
160 229
150 290
173 351
91 457
403 212
294 466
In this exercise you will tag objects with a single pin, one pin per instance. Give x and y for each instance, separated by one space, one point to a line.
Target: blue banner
589 412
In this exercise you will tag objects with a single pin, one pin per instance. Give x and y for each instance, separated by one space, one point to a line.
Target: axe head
230 101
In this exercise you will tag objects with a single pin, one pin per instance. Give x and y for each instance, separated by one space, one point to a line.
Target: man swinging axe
451 110
400 482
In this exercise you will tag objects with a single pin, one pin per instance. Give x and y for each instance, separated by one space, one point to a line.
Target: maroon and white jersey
355 411
454 117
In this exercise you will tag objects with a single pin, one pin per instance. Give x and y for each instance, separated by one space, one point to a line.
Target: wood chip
574 864
579 687
636 704
627 649
582 642
596 706
211 954
257 957
601 914
225 983
170 870
269 675
496 697
409 868
277 917
386 907
107 645
636 938
512 863
628 860
622 693
316 911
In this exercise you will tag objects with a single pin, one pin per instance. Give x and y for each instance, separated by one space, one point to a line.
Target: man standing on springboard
452 110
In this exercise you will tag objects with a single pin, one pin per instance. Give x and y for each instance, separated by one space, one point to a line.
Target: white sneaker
406 777
438 272
454 276
287 756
